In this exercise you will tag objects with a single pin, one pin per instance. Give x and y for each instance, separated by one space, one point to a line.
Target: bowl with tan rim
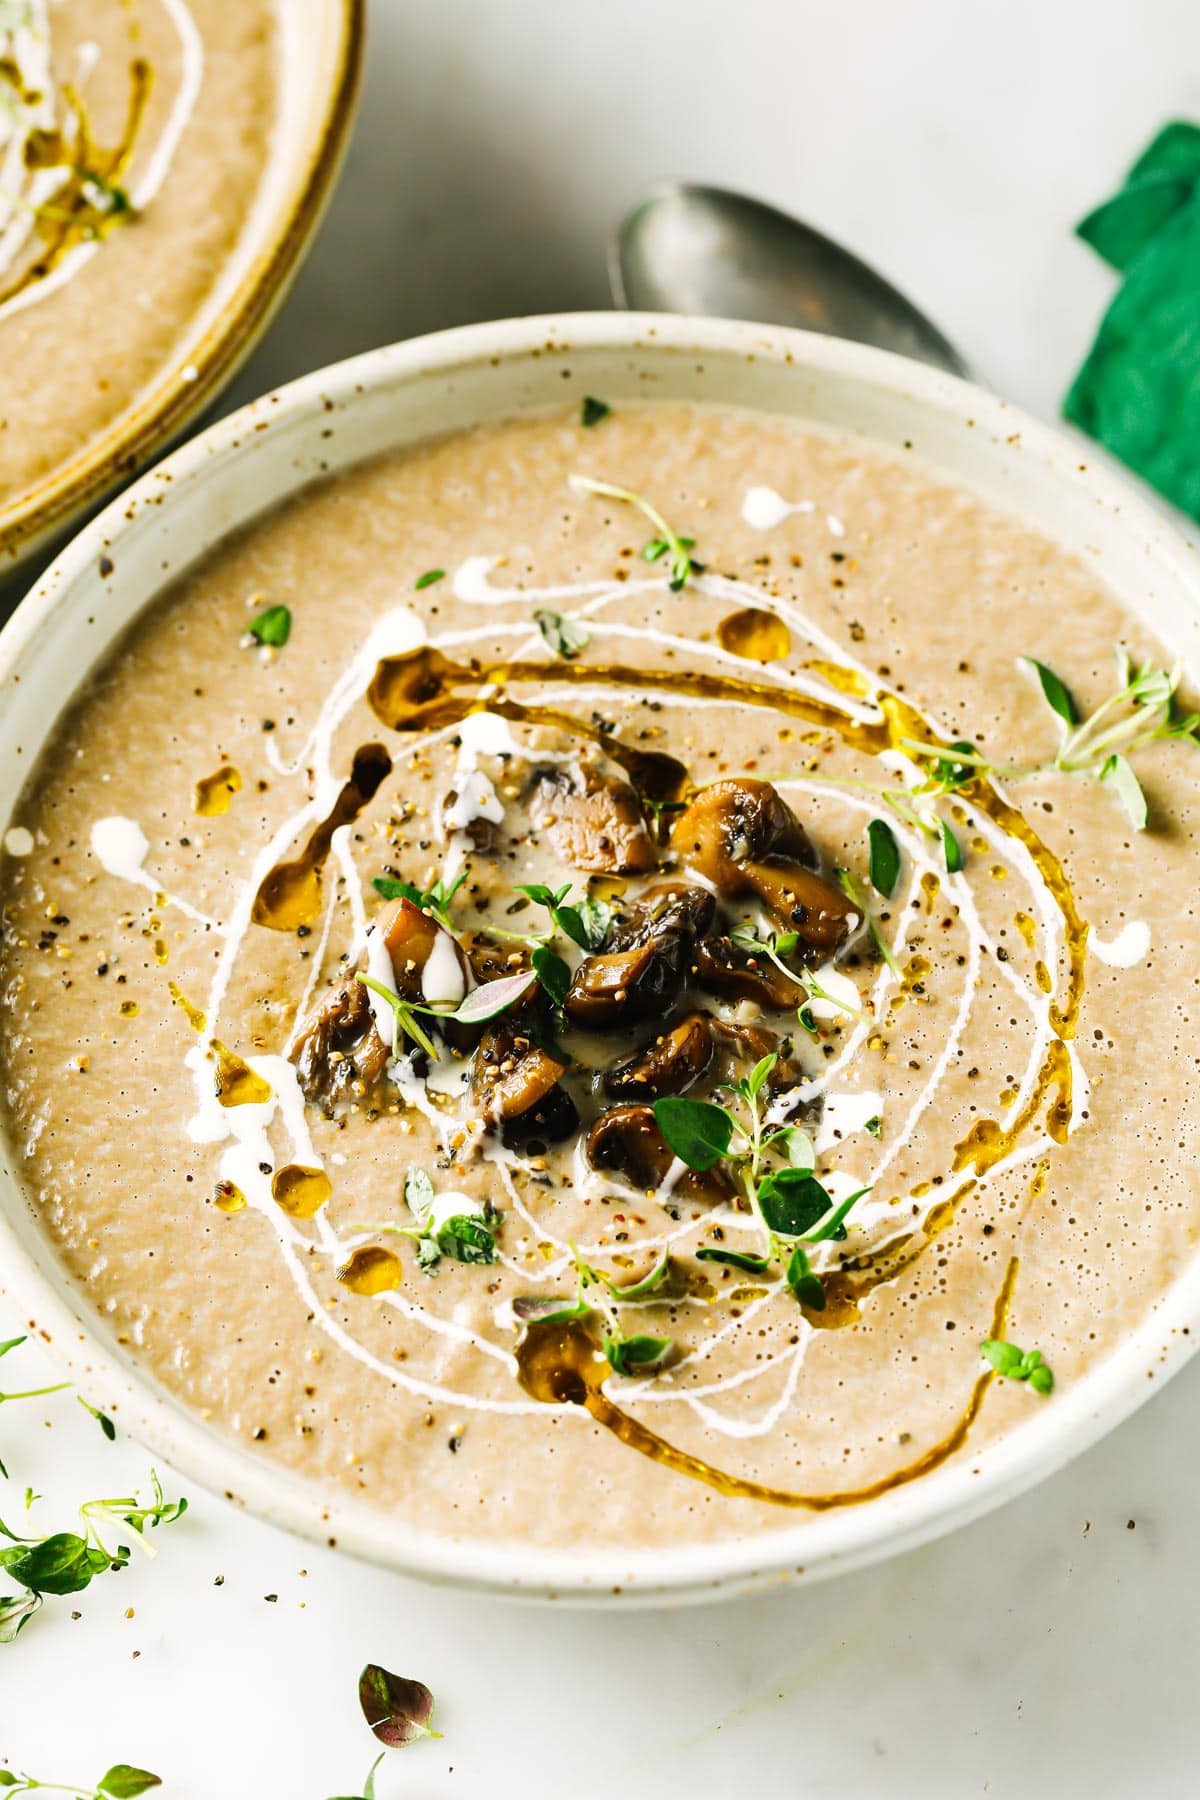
164 172
1029 481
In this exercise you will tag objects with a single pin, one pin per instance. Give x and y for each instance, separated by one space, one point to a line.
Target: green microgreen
102 1419
434 900
791 1206
625 1354
885 857
405 1023
429 578
775 946
951 849
585 922
593 1298
593 411
1019 1365
854 894
668 543
566 637
368 1787
553 973
272 627
468 1237
65 1562
1143 710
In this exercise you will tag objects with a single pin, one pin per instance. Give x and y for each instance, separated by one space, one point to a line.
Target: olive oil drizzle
558 1363
69 218
290 893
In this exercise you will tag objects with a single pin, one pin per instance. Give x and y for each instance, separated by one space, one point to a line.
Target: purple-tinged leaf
396 1708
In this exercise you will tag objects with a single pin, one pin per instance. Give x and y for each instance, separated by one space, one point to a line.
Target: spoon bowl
705 251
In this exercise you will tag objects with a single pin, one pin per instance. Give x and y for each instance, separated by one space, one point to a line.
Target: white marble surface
1048 1651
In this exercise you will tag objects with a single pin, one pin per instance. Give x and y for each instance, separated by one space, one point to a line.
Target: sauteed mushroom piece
744 839
699 1045
515 1084
339 1047
342 1044
667 906
627 1139
593 820
723 969
645 964
669 1065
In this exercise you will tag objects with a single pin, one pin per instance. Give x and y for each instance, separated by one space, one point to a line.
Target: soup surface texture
134 137
581 1036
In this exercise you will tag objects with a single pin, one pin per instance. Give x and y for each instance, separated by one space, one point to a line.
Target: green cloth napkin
1138 393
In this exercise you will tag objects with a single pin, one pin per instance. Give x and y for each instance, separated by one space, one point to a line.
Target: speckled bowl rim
172 401
835 1541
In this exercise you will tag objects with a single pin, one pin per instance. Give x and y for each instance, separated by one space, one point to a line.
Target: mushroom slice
339 1049
514 1083
729 972
627 1139
342 1044
744 839
644 966
804 902
732 823
593 820
667 906
670 1065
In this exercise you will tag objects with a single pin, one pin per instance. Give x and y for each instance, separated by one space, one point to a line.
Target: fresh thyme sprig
66 1561
121 1782
792 1207
593 1298
775 946
668 543
1143 710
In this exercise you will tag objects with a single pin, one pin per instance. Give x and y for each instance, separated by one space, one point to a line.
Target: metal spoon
707 251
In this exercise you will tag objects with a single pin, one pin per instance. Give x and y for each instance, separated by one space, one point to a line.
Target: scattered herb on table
65 1562
668 543
102 1419
397 1709
273 627
1019 1365
429 577
121 1782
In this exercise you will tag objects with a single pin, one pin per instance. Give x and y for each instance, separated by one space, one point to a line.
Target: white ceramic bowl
393 397
321 57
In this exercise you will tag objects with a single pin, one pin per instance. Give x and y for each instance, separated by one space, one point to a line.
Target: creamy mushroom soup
570 981
134 135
